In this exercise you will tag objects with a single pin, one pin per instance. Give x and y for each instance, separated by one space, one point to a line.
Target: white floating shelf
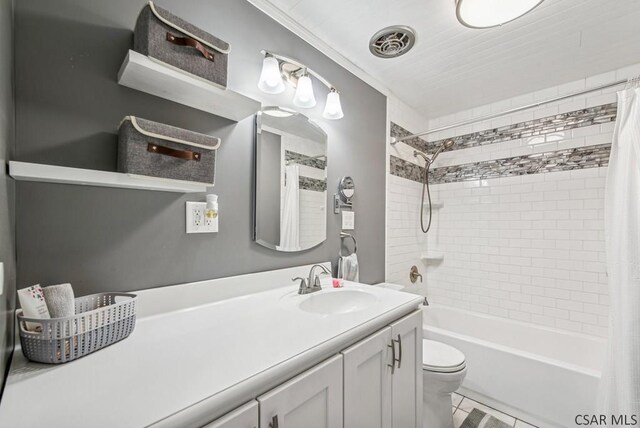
24 171
432 255
165 81
436 205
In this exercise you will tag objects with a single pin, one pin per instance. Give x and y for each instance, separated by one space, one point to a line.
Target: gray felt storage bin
161 35
159 150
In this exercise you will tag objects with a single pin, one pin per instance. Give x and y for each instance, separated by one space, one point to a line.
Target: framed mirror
290 209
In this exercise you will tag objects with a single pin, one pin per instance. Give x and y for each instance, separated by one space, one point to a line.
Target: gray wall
269 177
68 106
7 188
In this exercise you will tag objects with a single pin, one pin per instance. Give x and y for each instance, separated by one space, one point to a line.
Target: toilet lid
439 357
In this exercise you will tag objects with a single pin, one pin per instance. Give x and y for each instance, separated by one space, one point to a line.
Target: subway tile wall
526 247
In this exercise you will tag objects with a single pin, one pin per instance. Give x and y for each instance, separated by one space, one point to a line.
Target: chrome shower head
445 146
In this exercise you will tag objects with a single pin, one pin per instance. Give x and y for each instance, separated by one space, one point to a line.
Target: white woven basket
101 320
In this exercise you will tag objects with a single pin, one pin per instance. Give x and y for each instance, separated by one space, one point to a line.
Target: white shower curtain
620 384
290 219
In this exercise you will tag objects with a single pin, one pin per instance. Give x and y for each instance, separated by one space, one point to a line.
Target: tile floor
463 405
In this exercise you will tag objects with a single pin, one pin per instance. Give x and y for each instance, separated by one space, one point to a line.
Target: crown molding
290 24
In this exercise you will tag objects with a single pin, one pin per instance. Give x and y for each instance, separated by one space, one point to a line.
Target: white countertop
216 355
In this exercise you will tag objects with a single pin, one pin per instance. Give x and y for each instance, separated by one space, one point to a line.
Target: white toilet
443 370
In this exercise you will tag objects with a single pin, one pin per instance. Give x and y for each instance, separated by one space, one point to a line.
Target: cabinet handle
393 357
274 422
399 340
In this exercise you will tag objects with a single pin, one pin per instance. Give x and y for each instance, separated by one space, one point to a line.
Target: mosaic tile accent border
313 184
304 160
547 125
405 169
539 163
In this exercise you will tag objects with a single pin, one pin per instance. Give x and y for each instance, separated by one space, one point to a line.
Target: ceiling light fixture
278 68
492 13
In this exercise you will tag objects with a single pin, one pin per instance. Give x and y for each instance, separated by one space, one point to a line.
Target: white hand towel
60 300
349 267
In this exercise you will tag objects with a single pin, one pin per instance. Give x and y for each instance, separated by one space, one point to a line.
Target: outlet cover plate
196 220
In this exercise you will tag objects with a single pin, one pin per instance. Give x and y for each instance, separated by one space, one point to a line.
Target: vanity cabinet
375 383
244 417
310 400
367 382
383 377
406 384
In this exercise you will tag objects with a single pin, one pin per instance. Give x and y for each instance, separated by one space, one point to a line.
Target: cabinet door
407 380
367 382
310 400
244 417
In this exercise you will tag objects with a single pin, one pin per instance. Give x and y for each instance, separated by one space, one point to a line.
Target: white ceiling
453 68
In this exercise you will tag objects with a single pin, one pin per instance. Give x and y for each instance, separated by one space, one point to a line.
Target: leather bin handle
188 41
167 151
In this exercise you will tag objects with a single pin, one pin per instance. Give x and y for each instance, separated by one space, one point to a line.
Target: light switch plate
197 221
348 220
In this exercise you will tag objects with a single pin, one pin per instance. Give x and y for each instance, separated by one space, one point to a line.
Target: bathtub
540 375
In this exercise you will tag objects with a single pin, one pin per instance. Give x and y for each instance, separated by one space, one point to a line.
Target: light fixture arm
285 59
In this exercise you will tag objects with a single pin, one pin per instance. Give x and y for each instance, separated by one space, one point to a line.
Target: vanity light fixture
304 97
492 13
276 69
333 108
270 79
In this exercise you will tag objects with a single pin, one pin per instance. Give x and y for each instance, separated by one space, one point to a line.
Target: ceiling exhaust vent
391 42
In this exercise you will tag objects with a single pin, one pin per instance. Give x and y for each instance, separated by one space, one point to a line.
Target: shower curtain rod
506 112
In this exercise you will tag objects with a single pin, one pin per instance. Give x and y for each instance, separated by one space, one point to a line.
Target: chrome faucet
311 284
314 280
304 285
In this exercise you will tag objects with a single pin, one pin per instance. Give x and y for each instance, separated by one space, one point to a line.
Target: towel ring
355 244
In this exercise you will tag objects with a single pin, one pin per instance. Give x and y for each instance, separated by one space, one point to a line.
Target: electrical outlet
197 221
211 223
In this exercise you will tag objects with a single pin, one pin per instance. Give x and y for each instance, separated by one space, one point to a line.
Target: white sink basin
332 301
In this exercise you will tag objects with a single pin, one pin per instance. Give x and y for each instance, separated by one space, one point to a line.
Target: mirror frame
258 122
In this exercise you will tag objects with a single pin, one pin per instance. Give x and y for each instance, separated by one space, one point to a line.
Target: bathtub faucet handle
414 274
425 302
